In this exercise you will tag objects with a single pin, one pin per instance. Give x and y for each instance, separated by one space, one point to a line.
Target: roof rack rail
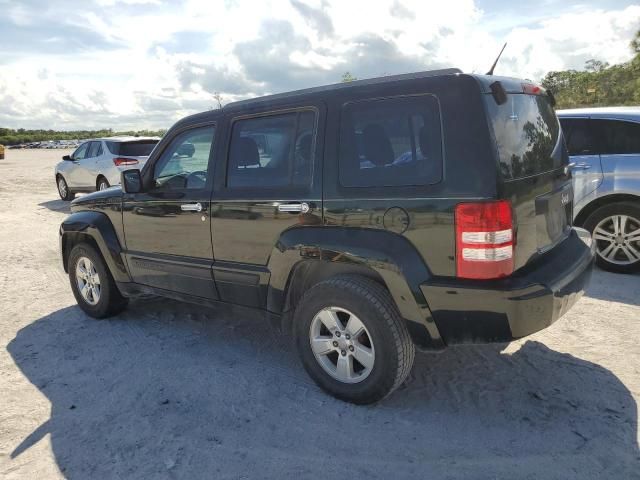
337 86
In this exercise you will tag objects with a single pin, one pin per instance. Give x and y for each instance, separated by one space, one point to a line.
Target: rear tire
616 230
359 368
92 284
102 183
63 189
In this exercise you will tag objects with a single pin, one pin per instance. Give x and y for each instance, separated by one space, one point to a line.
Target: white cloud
145 63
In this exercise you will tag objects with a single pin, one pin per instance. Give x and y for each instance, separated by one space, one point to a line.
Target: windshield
140 148
527 135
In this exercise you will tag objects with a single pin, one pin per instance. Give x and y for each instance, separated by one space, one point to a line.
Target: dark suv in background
367 218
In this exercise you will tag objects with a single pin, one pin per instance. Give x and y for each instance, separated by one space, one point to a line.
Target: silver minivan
604 145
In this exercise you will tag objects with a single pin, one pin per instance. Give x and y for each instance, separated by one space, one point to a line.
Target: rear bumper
471 311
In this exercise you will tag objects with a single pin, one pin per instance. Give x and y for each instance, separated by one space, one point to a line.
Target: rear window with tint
141 148
526 131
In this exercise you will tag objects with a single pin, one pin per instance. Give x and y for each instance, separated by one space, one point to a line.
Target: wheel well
306 274
600 202
98 180
70 240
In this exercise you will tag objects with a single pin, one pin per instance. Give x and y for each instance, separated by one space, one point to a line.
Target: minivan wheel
63 189
92 284
352 340
102 184
616 230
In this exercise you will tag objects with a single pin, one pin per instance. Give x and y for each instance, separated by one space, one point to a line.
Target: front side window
185 162
391 142
81 152
272 151
579 139
618 136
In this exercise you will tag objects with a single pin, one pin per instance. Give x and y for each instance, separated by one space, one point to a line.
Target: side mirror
67 157
131 181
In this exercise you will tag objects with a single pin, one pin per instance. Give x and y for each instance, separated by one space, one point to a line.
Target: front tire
92 284
351 339
616 230
63 189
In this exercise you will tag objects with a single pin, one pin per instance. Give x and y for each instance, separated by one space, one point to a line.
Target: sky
136 64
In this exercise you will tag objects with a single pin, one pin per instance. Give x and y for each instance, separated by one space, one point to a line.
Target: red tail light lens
120 161
531 89
484 240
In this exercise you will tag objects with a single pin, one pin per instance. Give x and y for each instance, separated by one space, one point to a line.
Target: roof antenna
490 72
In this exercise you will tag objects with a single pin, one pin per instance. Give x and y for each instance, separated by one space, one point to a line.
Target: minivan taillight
484 239
119 161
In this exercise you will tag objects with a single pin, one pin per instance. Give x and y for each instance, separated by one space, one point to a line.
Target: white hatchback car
96 164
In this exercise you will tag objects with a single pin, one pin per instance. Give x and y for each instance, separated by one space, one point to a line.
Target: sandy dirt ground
167 390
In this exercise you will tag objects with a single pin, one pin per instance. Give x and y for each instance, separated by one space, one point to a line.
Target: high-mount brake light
120 161
484 239
531 89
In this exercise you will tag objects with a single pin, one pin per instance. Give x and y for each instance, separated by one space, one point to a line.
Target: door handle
191 207
580 166
294 207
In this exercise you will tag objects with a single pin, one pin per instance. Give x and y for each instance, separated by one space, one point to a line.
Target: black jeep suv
368 218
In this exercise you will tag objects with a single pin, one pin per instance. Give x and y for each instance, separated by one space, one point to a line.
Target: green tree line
10 136
599 84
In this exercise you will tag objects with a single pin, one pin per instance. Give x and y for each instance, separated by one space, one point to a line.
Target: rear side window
618 136
391 142
141 148
580 140
94 150
527 134
272 151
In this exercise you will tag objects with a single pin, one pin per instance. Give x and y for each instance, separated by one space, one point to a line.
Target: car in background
96 164
604 148
1 152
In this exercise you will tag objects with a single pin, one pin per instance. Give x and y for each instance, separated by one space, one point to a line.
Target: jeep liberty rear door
272 181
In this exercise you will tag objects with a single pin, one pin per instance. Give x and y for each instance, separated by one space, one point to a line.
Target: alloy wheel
88 281
62 187
618 239
342 345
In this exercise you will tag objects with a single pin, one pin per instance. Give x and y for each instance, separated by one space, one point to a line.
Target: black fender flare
391 256
97 226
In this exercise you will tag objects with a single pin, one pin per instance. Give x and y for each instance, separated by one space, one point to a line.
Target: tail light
484 239
120 161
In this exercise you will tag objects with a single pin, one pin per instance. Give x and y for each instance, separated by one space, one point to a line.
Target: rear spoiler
499 92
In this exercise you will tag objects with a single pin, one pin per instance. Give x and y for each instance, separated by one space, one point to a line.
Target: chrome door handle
191 207
293 207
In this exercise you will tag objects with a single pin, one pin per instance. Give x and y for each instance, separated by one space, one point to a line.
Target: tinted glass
184 164
93 149
81 152
395 142
141 148
272 151
580 140
526 131
617 136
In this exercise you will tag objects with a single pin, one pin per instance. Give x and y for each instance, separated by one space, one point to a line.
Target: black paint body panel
241 249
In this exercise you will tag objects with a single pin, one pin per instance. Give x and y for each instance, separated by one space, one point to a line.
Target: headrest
377 146
245 153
